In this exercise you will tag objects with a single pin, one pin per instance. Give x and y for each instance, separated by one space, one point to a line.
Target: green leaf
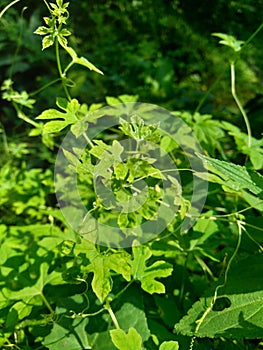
124 341
120 262
208 132
54 126
62 40
99 149
80 127
101 282
101 266
230 41
112 100
65 119
254 201
69 333
42 30
37 289
130 314
81 60
147 274
17 312
47 41
169 345
237 312
236 176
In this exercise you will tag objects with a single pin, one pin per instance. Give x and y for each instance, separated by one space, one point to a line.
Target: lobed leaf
124 341
147 274
169 345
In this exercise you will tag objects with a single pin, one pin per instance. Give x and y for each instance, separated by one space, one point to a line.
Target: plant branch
62 76
7 7
112 315
233 91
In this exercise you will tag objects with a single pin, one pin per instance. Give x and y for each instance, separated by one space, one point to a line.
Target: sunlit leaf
238 311
147 275
169 345
124 341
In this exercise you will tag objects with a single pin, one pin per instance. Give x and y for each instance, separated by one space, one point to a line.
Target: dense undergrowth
192 279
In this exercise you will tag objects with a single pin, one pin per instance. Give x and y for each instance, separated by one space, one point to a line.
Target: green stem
181 295
5 143
47 304
7 7
88 139
233 91
22 116
58 59
112 315
62 76
201 320
68 67
44 87
47 5
252 36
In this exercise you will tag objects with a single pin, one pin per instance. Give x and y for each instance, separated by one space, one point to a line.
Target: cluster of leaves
58 289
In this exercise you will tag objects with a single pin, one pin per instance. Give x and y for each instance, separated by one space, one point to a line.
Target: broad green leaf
69 333
169 345
17 312
130 314
128 98
254 201
101 282
124 341
99 149
255 151
120 262
112 100
54 126
80 127
147 274
101 265
236 176
37 289
208 132
62 119
206 228
238 310
101 340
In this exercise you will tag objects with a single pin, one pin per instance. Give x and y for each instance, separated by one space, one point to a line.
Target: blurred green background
161 51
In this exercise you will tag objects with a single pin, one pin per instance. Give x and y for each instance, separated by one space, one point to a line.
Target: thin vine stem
252 36
233 91
201 102
7 7
210 307
47 304
61 74
112 315
31 94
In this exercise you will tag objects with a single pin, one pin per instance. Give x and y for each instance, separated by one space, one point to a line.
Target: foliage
60 287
